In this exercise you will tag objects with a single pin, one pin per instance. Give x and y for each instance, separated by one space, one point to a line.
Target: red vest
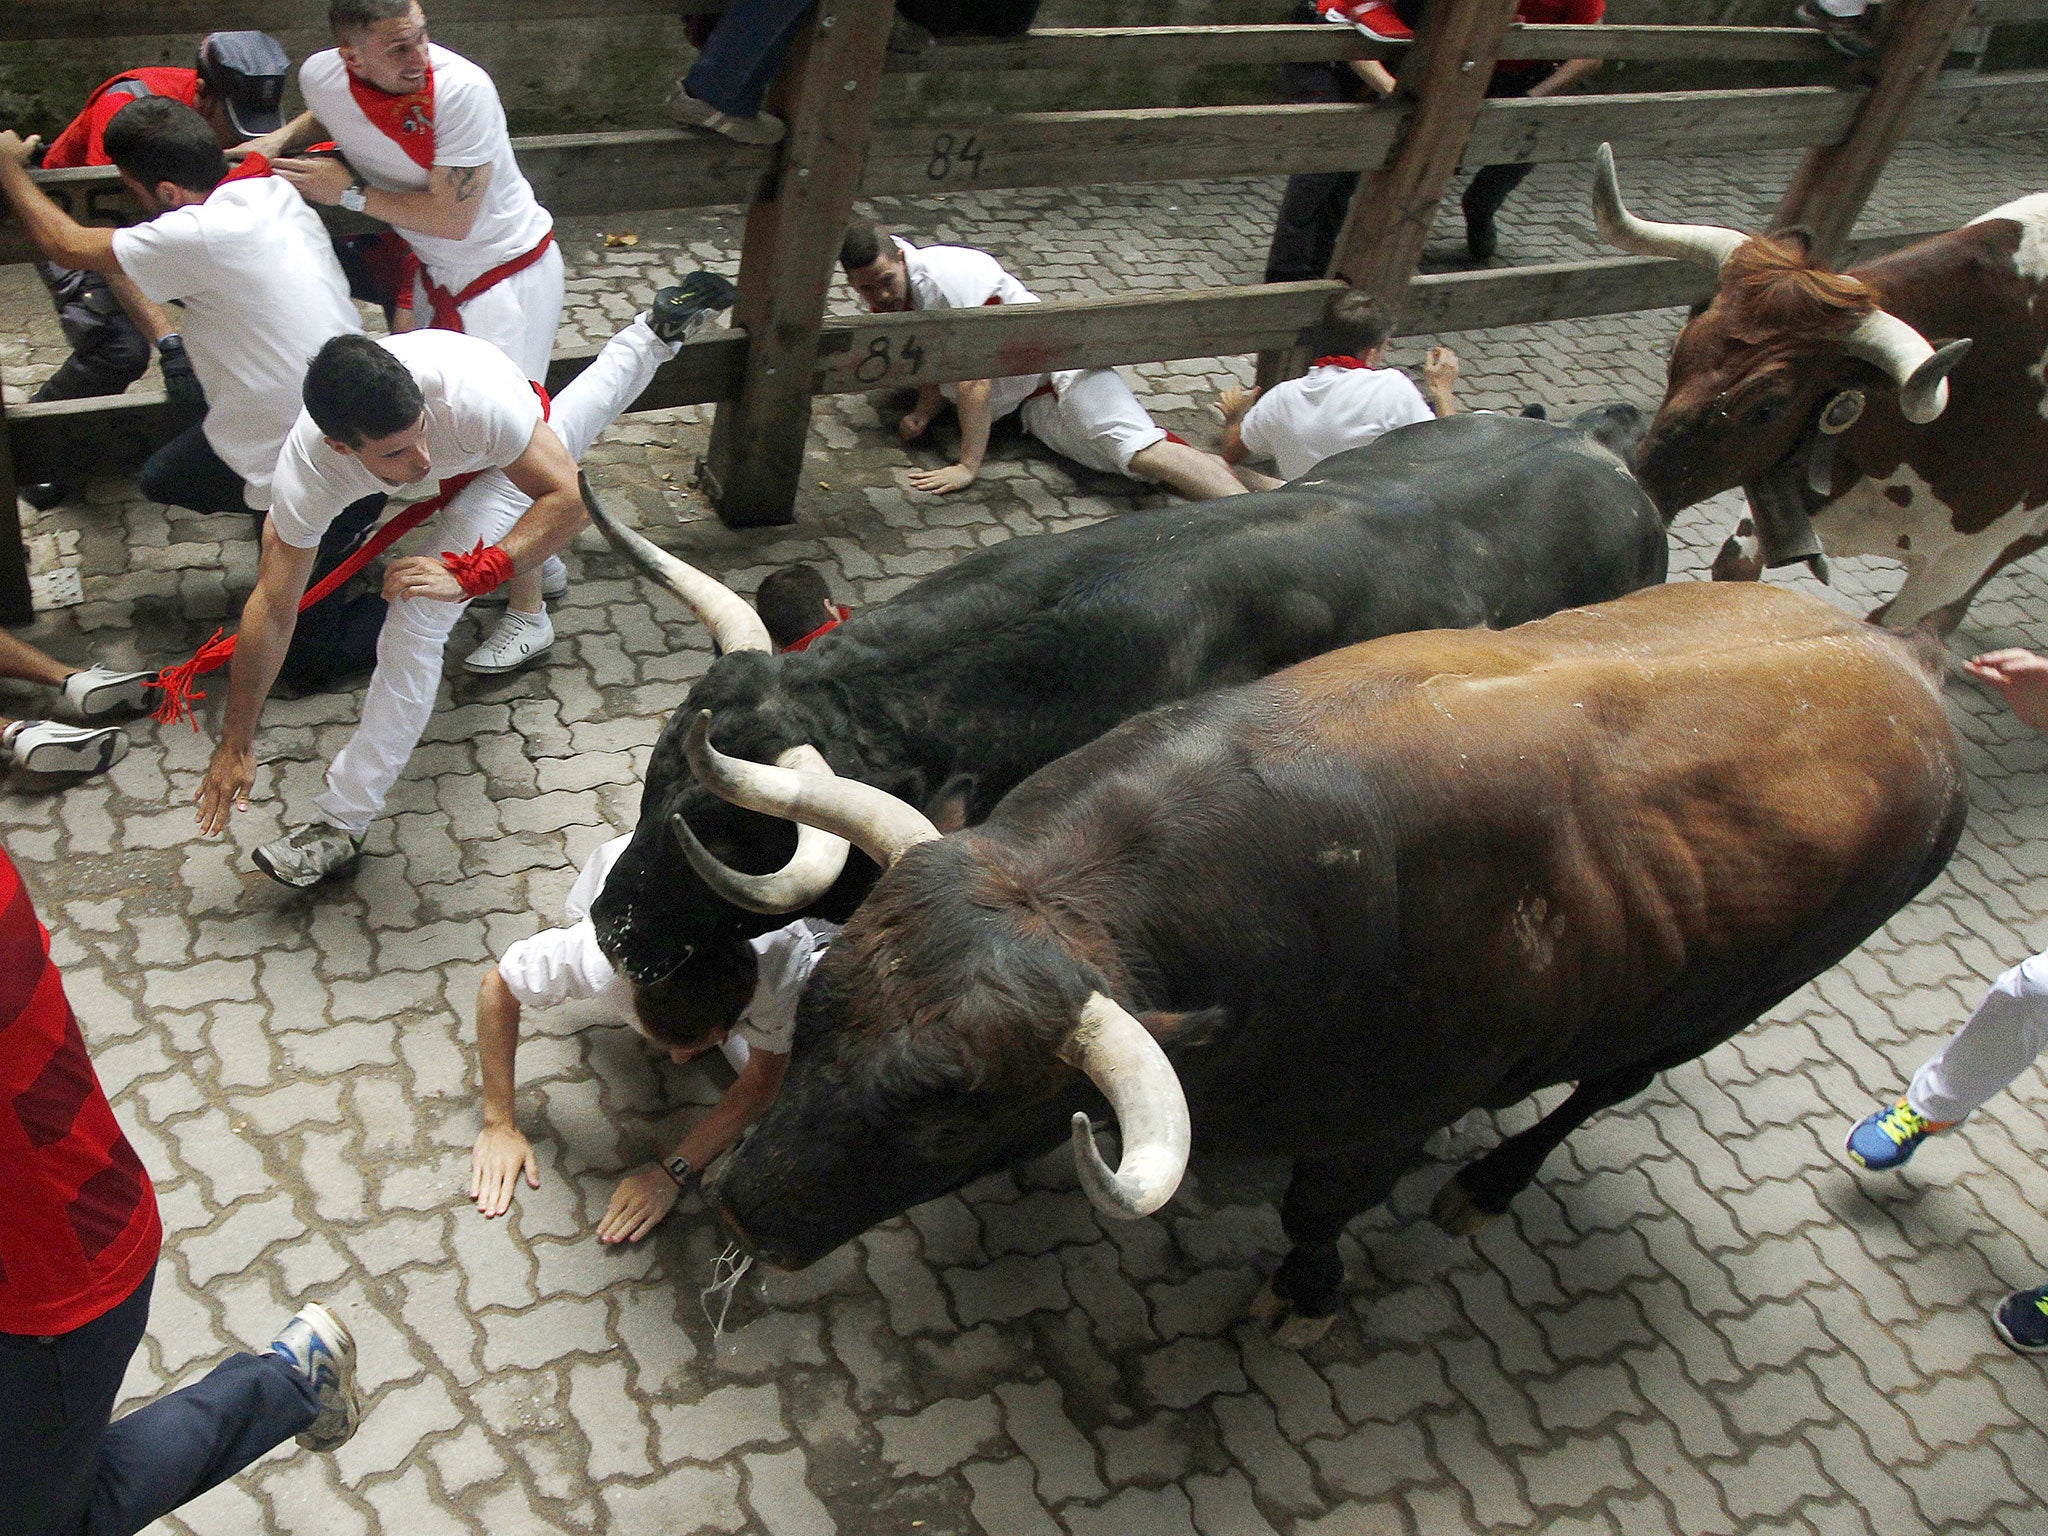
78 1221
81 143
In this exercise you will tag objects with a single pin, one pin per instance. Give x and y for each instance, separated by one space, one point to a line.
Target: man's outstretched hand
502 1154
229 778
638 1205
2020 677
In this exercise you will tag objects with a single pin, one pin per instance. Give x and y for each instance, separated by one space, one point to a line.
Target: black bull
953 691
1364 896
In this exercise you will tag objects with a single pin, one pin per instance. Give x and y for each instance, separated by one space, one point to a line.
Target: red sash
447 307
177 682
803 643
407 121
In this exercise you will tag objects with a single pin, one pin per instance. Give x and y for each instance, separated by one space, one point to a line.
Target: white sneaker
687 111
518 639
46 746
554 582
97 691
320 1351
307 855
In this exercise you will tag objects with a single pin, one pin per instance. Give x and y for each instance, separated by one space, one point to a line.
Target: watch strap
679 1169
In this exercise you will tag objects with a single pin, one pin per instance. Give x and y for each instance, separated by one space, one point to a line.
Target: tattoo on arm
463 179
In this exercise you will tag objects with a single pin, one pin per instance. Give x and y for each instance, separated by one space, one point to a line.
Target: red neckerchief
251 167
407 121
804 642
1339 360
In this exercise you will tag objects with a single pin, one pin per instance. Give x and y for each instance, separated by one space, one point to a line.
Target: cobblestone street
1700 1320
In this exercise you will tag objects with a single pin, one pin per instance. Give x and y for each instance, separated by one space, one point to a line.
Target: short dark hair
863 246
792 602
683 1008
356 390
1352 326
157 139
353 15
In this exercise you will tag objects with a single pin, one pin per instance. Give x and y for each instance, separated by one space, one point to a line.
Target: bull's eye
1763 415
945 1143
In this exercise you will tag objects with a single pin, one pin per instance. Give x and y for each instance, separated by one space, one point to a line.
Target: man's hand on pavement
638 1205
229 778
954 477
502 1154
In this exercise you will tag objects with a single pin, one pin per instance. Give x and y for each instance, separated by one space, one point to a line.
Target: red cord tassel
177 682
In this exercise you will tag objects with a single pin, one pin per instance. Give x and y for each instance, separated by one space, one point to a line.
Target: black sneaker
1481 239
2022 1320
1853 37
683 310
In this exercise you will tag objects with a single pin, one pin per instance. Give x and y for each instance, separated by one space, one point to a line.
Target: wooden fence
784 350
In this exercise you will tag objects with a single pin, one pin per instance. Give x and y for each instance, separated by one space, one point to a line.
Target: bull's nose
741 1236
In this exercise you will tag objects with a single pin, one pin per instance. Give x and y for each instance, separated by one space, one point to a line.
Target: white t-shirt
469 129
1303 421
958 277
260 290
561 964
480 411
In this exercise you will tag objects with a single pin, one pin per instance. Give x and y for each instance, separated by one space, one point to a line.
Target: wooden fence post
1836 179
15 604
1445 75
787 260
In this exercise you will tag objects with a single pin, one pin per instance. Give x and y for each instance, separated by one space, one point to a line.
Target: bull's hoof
1286 1327
1457 1212
1734 563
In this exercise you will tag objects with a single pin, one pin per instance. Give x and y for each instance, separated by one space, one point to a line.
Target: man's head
367 404
383 42
166 153
874 265
685 1017
1353 326
792 602
241 85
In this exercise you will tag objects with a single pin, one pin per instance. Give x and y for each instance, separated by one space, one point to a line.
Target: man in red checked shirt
79 1237
379 415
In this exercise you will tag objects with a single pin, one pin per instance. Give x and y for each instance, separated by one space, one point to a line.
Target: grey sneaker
307 855
685 309
98 691
687 111
50 746
517 639
319 1348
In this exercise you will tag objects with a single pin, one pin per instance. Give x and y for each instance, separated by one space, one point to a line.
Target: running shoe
307 855
2022 1320
687 111
97 691
1375 18
1886 1138
518 639
49 746
322 1353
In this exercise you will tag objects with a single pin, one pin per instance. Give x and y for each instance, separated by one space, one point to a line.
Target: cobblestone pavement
1700 1321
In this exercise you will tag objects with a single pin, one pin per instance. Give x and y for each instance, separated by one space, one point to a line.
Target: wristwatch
352 197
679 1169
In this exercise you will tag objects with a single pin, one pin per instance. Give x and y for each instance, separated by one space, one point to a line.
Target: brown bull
1325 914
1823 397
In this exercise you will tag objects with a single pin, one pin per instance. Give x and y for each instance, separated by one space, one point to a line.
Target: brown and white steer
1820 394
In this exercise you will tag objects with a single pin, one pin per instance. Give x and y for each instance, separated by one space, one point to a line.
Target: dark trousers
744 54
1305 231
66 1471
1489 188
107 352
186 472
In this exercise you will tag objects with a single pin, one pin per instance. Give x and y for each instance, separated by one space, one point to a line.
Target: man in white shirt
745 1006
462 409
1348 398
248 261
1090 414
424 147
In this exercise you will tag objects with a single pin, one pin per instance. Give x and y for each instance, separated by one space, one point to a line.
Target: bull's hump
2031 215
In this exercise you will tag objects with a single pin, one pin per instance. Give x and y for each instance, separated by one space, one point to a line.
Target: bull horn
1123 1060
875 821
731 618
1707 244
819 859
1920 371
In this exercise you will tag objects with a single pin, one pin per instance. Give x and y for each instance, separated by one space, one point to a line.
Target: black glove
180 382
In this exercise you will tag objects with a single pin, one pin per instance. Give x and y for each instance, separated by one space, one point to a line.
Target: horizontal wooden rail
593 174
29 21
865 352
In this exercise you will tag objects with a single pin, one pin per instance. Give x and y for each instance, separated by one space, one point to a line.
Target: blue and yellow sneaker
2022 1320
1884 1140
319 1348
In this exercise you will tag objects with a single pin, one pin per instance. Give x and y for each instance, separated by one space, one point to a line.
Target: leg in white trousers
402 689
2000 1041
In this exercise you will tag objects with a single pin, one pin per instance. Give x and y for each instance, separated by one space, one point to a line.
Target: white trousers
409 651
518 316
1999 1042
1094 420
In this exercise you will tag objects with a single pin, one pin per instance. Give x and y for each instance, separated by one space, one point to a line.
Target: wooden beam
787 255
1836 179
1394 207
1657 124
46 20
16 605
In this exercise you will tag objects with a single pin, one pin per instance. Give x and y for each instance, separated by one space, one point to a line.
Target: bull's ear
948 809
1190 1028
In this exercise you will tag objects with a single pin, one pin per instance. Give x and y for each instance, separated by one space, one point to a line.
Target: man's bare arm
139 307
52 231
1565 76
295 135
268 619
447 210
